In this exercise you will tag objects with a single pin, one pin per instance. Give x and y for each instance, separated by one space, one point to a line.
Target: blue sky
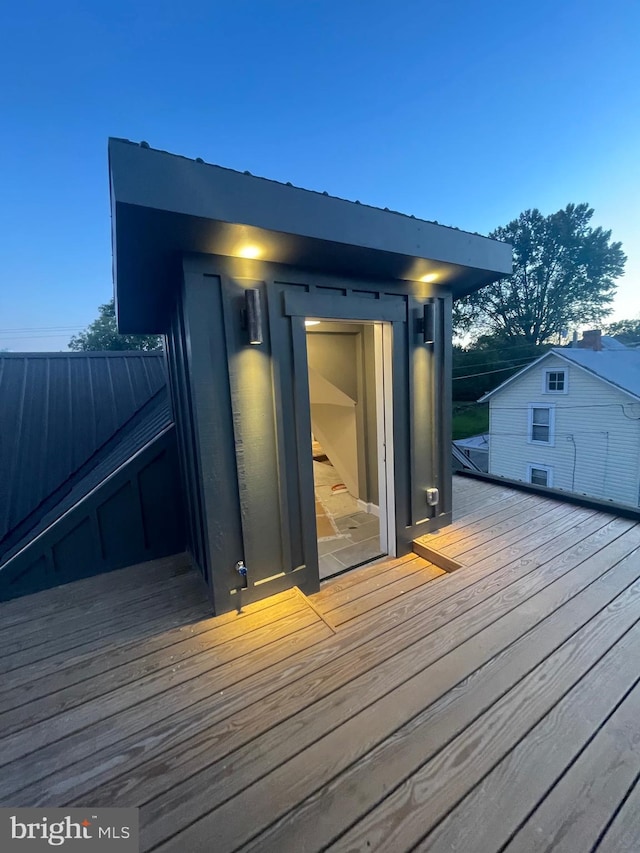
462 112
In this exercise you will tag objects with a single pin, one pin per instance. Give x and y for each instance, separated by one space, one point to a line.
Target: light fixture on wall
426 324
429 323
253 313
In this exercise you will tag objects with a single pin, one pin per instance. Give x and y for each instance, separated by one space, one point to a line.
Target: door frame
383 354
346 308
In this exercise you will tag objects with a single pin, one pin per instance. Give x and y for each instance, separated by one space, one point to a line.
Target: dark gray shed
309 351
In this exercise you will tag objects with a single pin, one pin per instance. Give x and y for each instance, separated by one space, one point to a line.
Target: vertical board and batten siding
597 448
244 417
59 410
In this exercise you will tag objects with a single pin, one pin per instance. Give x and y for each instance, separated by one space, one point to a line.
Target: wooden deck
493 708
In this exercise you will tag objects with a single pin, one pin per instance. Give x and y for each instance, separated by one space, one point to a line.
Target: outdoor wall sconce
426 325
429 322
253 314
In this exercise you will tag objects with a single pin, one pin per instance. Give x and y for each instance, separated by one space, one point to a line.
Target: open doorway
349 393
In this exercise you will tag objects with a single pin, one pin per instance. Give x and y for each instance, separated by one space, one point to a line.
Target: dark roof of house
164 206
67 421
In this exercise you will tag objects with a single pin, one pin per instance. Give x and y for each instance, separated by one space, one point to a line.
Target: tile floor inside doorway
347 536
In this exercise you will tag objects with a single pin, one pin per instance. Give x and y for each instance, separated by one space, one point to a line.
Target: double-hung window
541 424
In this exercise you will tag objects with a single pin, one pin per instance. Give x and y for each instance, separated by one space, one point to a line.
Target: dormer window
555 381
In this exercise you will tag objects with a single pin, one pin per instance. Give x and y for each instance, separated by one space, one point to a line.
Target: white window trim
546 468
545 380
552 424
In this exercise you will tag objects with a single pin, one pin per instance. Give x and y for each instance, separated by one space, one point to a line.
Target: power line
40 329
34 337
513 362
499 370
498 361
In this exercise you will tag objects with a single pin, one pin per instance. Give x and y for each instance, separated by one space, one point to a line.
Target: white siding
589 422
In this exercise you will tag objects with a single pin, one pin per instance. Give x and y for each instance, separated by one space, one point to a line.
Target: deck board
342 669
409 748
623 831
576 811
399 708
406 630
449 659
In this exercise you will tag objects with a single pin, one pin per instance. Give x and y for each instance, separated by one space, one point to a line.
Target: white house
571 420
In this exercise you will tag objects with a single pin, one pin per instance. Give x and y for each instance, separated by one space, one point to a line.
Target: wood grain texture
420 573
407 615
487 707
220 644
487 518
403 817
134 581
41 678
546 751
125 625
484 509
331 809
19 743
576 811
511 531
333 587
378 704
65 771
435 557
623 833
469 499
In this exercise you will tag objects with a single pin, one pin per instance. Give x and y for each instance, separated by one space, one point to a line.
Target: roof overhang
164 206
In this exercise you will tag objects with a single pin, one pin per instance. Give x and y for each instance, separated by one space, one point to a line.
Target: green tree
626 331
103 334
564 273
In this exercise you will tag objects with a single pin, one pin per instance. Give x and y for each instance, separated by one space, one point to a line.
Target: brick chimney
591 340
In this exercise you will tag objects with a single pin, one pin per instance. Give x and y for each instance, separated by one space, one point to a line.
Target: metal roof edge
144 145
85 354
561 353
593 373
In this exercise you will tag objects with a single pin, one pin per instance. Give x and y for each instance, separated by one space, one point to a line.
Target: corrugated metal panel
620 367
58 410
152 420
